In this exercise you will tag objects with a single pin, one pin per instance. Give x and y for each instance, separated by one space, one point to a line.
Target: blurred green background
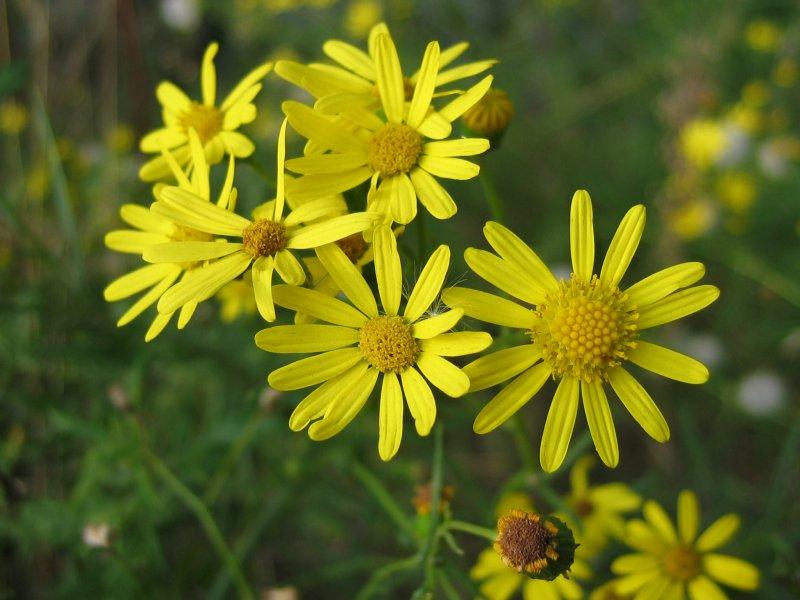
691 108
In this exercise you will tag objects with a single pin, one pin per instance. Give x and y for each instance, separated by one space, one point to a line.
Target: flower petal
517 252
718 533
688 516
330 230
387 269
732 571
660 522
419 397
428 328
289 268
676 306
314 369
623 246
488 307
457 147
426 82
318 305
559 424
663 283
639 404
702 588
390 78
288 339
325 130
668 363
317 402
136 281
348 278
432 195
449 168
443 374
500 366
600 421
402 197
208 75
429 284
504 275
511 398
581 235
181 252
261 272
467 100
390 417
350 57
345 407
457 344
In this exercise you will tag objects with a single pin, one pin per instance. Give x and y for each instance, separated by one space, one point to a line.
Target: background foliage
94 421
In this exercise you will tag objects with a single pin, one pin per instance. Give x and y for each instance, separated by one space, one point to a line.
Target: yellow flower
737 191
491 115
702 142
606 592
13 117
762 35
360 343
361 16
393 152
581 329
266 243
236 299
151 229
692 219
215 125
600 508
120 138
670 563
355 81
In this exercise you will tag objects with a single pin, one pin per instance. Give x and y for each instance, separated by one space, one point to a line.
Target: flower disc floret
682 563
583 329
388 345
540 546
264 237
395 148
205 120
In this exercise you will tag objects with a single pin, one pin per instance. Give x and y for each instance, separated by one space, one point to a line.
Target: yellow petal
420 400
459 147
449 168
640 536
664 282
432 195
467 100
323 129
318 305
428 328
630 584
345 407
190 210
147 300
677 305
311 187
316 209
225 194
517 252
499 366
639 404
732 571
351 58
600 421
426 82
132 242
280 180
237 144
164 138
209 75
581 235
451 53
205 283
443 374
435 126
488 307
317 402
157 326
348 279
668 363
181 252
305 338
623 246
457 344
559 424
511 398
390 418
387 269
658 519
688 516
702 588
199 166
331 230
390 78
247 82
718 533
428 285
402 197
327 163
289 268
141 218
463 71
262 286
504 275
314 369
136 281
172 97
631 563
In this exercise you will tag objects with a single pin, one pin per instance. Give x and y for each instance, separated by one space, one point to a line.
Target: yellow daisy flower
600 508
354 81
358 343
266 243
670 564
153 229
392 150
216 125
581 329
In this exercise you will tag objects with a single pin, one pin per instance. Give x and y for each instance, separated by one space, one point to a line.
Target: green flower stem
476 530
388 571
523 442
422 239
384 498
196 506
429 550
495 203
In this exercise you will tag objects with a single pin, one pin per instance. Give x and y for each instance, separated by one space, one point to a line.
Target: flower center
394 149
387 344
491 115
583 329
353 246
265 237
525 542
682 563
205 120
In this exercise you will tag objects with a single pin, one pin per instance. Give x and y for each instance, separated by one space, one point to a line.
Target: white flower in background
183 15
737 145
762 393
97 535
705 347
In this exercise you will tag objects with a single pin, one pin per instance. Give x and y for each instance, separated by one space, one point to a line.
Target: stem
477 530
429 551
196 506
494 202
523 442
374 582
422 237
384 498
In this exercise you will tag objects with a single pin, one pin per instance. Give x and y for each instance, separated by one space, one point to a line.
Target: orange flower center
205 120
394 149
388 345
265 237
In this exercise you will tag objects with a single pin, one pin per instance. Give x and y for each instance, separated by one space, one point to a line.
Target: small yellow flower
491 115
151 229
120 138
762 35
393 151
215 125
581 330
355 80
737 191
692 219
361 16
359 343
266 243
702 142
13 117
600 508
670 563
